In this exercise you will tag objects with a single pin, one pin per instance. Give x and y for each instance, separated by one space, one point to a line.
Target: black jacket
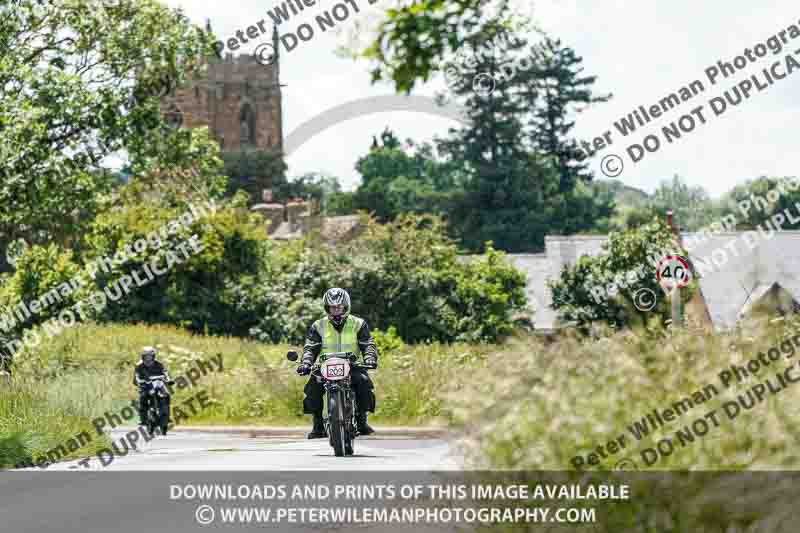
143 372
313 344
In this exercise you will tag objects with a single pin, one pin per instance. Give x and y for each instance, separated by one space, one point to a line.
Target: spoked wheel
338 430
152 421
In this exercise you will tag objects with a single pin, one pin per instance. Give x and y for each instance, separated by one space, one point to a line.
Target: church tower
240 102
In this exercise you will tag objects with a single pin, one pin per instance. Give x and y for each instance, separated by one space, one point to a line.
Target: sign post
673 273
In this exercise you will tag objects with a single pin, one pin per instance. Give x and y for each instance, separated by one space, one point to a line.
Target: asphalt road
68 497
189 450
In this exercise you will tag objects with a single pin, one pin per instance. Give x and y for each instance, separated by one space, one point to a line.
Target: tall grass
34 420
553 402
556 401
69 380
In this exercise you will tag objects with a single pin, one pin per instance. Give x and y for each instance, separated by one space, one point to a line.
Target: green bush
40 283
387 342
201 292
405 275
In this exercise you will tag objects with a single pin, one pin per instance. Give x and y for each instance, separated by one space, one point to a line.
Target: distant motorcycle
334 374
157 409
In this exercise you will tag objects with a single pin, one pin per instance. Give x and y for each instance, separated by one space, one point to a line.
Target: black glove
304 369
371 362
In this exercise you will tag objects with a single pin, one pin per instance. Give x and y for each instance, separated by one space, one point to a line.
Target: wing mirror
291 355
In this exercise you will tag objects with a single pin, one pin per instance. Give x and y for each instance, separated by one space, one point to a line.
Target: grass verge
67 382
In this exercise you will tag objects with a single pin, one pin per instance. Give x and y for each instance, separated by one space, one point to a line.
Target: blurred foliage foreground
552 403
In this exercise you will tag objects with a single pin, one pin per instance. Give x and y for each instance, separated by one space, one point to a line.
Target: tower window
247 125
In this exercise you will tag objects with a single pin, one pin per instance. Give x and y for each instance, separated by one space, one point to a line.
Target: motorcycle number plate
335 368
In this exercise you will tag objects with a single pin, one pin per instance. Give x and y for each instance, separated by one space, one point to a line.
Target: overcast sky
640 50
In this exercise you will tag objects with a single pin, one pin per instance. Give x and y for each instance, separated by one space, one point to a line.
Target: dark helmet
336 296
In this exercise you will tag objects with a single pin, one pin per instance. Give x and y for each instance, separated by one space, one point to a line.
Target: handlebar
343 355
150 379
350 356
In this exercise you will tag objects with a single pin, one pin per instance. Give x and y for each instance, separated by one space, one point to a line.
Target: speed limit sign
674 269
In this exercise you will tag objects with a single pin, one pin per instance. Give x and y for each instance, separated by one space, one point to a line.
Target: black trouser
362 386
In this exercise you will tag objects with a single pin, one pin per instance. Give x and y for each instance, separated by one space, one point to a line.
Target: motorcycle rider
339 331
146 368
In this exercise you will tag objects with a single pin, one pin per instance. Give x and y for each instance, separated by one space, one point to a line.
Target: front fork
349 407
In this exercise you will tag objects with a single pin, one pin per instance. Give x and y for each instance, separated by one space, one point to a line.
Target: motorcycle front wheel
163 415
351 429
152 420
336 419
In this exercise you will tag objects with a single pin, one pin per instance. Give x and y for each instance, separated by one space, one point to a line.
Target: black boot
318 431
363 427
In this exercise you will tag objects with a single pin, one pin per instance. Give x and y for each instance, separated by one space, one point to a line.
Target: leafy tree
692 207
197 173
410 178
774 196
43 273
580 210
416 38
388 140
69 73
632 217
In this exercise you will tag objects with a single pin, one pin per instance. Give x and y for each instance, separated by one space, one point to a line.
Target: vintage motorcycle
157 410
333 371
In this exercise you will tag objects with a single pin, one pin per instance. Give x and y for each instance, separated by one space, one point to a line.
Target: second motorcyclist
146 368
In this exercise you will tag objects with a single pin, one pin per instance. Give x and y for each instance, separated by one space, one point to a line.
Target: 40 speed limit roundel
674 269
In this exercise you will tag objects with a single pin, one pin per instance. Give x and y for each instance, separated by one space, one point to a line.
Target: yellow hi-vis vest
334 341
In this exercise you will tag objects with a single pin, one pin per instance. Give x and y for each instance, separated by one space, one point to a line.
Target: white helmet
148 351
336 296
